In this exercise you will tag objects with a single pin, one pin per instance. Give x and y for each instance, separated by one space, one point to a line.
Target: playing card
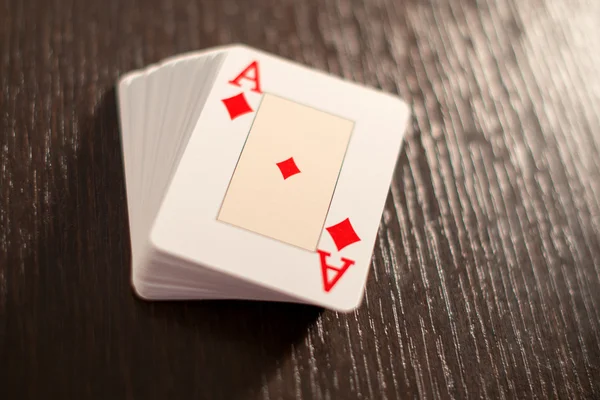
281 186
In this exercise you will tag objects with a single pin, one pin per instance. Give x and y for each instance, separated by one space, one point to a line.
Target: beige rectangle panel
286 175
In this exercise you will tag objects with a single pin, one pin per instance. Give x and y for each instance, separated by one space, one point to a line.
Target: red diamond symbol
343 234
288 168
237 105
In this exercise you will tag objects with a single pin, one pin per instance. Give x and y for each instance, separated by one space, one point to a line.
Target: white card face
284 181
230 208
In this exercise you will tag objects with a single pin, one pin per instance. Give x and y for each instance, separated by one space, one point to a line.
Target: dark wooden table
486 271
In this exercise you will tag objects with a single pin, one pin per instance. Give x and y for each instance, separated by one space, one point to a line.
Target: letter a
328 284
245 74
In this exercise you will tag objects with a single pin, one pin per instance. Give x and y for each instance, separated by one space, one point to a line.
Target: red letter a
255 77
327 283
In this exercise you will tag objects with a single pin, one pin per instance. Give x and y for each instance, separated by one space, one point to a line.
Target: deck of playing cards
252 177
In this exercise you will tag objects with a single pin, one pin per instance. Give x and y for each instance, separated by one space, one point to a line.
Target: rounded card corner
352 306
139 290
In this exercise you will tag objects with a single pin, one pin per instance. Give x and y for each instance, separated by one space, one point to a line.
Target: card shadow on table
220 349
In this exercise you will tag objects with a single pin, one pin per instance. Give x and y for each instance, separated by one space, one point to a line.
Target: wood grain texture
486 272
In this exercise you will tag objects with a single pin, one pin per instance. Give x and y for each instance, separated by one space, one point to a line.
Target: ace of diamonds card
281 186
